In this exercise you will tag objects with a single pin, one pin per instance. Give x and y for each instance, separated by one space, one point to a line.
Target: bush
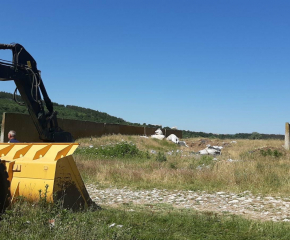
256 135
161 157
269 152
205 160
118 150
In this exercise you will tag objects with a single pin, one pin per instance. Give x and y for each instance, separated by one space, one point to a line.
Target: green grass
160 221
122 149
260 166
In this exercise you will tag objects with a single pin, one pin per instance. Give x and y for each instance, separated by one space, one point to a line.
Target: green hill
7 104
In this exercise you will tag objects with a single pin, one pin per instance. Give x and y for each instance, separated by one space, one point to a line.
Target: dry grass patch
261 166
142 143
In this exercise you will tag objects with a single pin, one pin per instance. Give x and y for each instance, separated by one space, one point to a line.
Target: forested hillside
7 104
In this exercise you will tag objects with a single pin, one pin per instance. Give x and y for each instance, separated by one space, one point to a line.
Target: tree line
85 114
253 135
7 104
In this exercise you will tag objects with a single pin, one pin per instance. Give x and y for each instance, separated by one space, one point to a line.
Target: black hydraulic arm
23 70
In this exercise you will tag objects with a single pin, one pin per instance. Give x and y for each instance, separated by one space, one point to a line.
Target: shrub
269 152
256 135
160 157
118 150
173 166
205 160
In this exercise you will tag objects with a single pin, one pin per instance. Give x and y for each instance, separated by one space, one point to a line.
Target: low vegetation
159 221
260 166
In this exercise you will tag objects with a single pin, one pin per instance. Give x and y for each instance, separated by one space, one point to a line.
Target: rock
173 138
232 160
112 225
241 198
210 151
159 137
182 143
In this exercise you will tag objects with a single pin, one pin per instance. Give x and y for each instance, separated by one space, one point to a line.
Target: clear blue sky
212 66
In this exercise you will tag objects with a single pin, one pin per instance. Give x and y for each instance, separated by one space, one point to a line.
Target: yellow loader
44 170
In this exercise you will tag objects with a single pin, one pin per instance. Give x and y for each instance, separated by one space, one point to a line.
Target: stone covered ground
245 203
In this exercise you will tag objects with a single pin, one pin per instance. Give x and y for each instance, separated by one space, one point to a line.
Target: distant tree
256 135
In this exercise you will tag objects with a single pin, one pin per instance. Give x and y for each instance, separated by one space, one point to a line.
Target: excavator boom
23 70
33 169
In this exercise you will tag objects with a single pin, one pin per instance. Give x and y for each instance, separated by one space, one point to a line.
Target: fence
26 131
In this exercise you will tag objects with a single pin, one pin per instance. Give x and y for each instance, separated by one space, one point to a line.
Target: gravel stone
255 207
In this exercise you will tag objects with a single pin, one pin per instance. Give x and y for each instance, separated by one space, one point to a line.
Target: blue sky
212 66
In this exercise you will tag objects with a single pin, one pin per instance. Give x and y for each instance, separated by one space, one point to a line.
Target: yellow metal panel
73 148
4 145
15 193
22 152
39 164
40 153
56 148
36 170
69 185
33 150
29 188
62 153
15 147
5 148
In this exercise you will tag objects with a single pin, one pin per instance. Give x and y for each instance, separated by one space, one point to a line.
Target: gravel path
254 207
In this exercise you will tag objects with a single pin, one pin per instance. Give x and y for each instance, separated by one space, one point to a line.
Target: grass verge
160 221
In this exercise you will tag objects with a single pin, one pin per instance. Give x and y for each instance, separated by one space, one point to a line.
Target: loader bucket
44 171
